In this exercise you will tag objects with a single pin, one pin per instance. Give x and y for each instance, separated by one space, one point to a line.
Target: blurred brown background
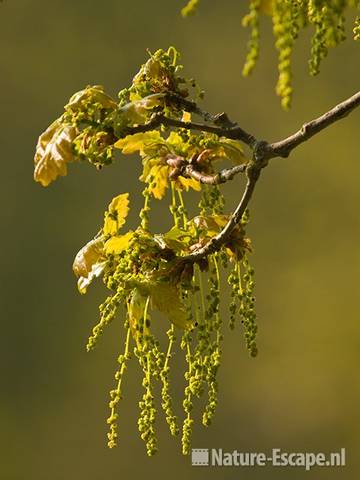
302 392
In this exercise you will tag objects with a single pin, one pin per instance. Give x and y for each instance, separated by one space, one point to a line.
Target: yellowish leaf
231 149
89 263
118 244
160 182
137 142
93 94
186 183
116 214
137 111
54 152
186 117
166 298
211 223
175 140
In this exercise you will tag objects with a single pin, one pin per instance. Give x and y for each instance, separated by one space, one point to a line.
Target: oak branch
262 152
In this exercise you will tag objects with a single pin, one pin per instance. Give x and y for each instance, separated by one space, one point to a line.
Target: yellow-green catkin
187 402
190 8
116 395
197 380
356 29
108 311
247 308
166 404
144 352
213 357
285 27
212 201
193 385
235 282
252 20
328 21
145 211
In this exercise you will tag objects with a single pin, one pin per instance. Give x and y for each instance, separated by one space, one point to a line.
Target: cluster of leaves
327 17
147 272
93 122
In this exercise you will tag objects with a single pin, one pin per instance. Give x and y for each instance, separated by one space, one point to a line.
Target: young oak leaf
54 151
138 142
156 174
91 95
177 239
89 263
137 111
116 214
118 243
158 75
209 225
231 149
187 183
165 297
158 179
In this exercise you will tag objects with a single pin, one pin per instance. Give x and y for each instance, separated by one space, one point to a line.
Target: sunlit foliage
150 274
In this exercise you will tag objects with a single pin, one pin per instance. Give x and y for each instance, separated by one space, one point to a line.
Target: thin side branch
234 132
222 176
216 242
182 167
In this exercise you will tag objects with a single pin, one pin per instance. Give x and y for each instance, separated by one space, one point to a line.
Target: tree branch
182 167
225 128
215 179
309 129
262 153
253 173
234 132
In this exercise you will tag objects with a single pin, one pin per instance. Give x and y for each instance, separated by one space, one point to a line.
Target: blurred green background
302 392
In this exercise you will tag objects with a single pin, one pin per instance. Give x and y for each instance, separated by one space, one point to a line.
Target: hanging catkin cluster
179 274
326 18
150 274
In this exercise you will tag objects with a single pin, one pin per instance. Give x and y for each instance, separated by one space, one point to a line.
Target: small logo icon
200 457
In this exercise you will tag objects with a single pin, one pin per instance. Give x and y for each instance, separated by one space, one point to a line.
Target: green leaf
54 152
116 214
